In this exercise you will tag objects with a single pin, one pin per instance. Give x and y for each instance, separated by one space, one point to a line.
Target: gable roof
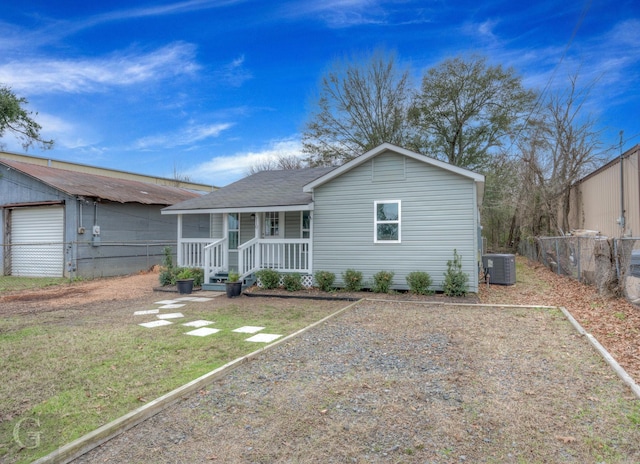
478 178
95 186
259 192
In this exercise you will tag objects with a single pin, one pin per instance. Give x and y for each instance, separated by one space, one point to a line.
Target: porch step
217 282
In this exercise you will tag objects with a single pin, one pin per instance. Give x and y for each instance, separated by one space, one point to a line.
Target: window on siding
234 230
387 218
306 224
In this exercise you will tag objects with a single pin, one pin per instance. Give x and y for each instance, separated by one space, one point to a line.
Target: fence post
557 257
579 260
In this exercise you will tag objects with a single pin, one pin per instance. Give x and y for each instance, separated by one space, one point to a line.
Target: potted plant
233 285
184 280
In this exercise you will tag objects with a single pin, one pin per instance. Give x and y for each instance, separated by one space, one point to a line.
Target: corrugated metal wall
595 202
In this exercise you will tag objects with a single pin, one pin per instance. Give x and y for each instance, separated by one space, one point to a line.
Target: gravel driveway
404 382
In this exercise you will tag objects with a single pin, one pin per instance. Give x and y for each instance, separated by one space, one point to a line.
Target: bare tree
466 108
282 162
362 103
557 150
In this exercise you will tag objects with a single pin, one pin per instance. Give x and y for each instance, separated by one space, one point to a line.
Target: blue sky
206 88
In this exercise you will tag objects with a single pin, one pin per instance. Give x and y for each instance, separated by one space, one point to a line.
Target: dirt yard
439 384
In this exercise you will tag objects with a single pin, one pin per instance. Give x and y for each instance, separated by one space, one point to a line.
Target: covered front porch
245 242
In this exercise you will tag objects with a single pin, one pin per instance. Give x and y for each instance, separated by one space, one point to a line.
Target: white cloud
45 75
223 170
338 13
234 73
191 134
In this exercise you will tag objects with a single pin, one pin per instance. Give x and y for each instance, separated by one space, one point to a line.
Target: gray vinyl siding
438 213
292 224
247 228
216 226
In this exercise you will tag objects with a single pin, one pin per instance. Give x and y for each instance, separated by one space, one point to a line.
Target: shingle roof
106 188
263 189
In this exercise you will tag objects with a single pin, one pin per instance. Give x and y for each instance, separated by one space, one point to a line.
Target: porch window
387 218
271 224
234 230
306 224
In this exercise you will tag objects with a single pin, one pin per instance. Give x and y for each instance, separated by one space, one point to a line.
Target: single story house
68 223
389 209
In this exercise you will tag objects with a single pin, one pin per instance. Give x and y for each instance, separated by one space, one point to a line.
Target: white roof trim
479 178
248 209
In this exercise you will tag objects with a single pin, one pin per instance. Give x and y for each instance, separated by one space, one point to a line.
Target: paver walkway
199 327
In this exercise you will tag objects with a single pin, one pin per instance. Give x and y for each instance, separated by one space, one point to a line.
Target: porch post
258 236
310 254
179 244
225 246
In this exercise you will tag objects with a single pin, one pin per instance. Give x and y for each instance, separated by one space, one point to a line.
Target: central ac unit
500 268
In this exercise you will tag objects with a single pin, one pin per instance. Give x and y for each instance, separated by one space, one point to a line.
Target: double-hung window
306 224
387 221
234 230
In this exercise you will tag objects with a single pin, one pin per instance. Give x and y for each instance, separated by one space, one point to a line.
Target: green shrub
325 280
233 276
269 278
184 273
419 282
455 281
292 282
352 280
168 272
198 276
382 282
166 277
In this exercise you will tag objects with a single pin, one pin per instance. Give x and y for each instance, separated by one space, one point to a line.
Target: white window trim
281 225
229 230
376 222
302 229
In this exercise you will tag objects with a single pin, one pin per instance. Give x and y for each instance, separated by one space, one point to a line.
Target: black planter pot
234 289
184 285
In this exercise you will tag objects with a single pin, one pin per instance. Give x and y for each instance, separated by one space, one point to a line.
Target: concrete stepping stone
199 323
194 298
155 323
263 338
170 316
203 332
248 329
146 311
166 302
172 306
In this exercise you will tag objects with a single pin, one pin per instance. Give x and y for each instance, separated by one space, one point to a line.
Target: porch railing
248 254
289 255
191 251
215 258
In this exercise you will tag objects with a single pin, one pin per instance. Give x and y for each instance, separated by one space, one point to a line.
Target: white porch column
179 245
225 247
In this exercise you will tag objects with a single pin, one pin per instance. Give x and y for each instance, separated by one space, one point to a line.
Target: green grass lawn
65 374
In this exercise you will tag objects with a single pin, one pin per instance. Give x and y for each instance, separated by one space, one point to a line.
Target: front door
273 229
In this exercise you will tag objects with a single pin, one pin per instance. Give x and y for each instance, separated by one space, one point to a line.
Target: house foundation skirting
307 281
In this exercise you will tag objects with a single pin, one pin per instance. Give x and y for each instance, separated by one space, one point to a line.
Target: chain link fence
612 265
37 265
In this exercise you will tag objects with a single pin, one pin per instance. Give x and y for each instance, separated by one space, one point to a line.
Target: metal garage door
37 236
